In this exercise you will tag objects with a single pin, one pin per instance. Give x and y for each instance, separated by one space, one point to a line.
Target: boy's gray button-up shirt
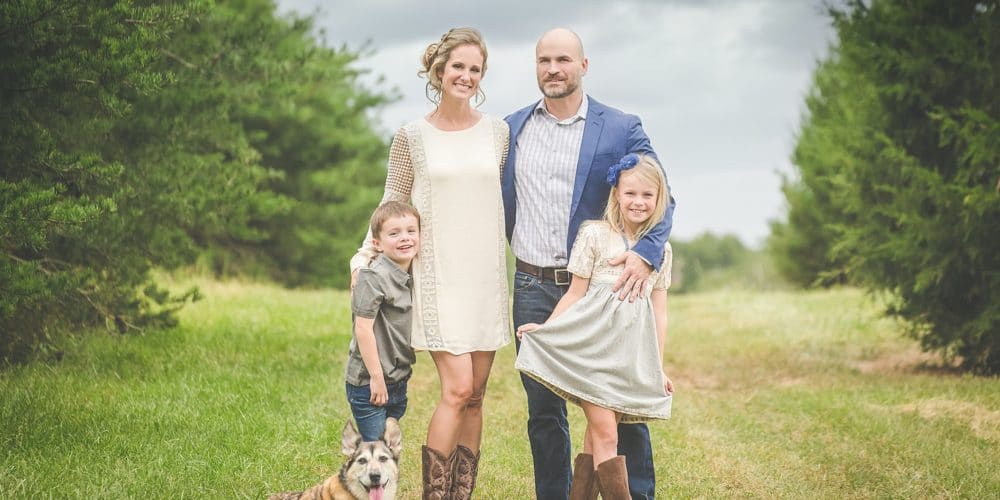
382 293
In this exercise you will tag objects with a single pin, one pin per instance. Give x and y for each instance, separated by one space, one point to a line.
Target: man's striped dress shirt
547 153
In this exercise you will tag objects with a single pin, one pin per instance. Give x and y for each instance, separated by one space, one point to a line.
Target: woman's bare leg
472 419
456 376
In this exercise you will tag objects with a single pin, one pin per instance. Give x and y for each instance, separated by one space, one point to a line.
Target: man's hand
380 394
633 279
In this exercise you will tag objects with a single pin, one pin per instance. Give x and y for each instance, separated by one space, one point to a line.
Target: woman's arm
398 187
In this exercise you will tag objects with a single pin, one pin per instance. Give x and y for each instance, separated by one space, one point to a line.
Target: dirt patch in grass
983 422
693 380
745 382
909 360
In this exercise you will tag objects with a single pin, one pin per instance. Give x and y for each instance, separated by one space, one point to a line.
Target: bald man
554 179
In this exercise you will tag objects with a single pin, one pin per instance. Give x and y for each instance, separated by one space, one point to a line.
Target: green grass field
779 394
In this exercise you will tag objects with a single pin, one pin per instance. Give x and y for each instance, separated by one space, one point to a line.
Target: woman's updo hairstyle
437 54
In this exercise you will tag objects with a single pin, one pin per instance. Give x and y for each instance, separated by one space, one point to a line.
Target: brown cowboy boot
463 479
436 473
584 485
612 479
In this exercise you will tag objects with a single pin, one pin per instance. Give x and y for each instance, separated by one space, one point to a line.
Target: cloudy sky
719 84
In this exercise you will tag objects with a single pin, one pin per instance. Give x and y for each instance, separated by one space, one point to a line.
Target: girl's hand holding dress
668 385
526 328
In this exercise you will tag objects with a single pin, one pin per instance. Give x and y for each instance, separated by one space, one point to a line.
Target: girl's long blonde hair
649 171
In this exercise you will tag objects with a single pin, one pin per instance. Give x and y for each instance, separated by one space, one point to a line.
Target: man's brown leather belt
558 274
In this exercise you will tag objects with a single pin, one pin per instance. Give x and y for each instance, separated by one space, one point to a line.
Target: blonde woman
448 164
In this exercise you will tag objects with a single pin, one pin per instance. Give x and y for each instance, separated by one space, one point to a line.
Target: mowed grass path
779 394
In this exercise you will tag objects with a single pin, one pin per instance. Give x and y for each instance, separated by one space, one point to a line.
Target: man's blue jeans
370 418
548 429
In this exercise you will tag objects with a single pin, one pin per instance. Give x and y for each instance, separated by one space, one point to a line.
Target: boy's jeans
370 418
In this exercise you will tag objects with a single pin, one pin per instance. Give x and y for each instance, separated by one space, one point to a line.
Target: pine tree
145 134
898 160
70 71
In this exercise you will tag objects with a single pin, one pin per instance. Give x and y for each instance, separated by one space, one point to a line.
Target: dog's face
373 468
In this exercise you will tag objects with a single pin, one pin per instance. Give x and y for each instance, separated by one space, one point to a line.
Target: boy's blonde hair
389 210
648 171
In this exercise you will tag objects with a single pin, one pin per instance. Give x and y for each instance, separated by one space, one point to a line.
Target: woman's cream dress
460 274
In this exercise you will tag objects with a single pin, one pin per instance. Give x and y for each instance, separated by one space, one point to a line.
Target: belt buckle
565 276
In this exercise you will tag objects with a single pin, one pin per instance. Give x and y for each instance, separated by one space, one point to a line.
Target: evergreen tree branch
178 58
43 15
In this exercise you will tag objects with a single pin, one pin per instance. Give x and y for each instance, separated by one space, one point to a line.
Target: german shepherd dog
370 473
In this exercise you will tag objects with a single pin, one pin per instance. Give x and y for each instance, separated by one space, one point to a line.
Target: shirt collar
581 114
399 275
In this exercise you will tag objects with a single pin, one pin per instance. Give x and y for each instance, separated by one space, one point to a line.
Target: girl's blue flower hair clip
628 161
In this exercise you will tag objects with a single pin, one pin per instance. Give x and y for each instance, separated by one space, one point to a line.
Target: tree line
141 135
153 135
897 170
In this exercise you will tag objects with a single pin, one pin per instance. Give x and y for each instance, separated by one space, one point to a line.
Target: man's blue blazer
608 135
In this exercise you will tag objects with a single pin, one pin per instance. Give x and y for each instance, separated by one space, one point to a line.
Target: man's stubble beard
559 94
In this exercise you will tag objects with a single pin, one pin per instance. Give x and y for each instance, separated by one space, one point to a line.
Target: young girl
598 351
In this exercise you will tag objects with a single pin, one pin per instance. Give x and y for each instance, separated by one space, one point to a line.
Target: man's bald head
564 38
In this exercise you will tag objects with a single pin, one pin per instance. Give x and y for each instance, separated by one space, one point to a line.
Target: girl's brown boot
612 479
584 485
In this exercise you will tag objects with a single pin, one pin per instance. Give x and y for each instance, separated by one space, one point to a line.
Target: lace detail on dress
427 284
583 256
501 137
501 141
399 178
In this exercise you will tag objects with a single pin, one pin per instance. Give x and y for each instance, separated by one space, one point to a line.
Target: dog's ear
393 436
350 439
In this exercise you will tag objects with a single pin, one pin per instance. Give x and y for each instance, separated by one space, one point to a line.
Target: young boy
379 362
